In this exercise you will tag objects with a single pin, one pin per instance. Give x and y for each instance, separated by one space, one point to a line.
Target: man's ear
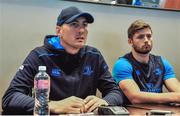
58 30
129 41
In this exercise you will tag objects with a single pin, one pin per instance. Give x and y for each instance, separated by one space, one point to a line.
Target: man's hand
92 102
73 105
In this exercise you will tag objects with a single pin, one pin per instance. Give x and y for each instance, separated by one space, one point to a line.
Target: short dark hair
136 26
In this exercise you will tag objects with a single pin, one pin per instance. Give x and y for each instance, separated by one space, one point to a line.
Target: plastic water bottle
41 89
137 2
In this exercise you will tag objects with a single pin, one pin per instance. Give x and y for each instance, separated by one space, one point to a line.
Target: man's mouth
146 46
80 38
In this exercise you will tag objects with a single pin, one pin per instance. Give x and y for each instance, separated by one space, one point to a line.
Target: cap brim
89 17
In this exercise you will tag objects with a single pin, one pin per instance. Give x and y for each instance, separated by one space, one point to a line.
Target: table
141 109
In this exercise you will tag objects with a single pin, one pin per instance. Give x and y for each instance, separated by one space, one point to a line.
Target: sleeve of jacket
18 97
106 84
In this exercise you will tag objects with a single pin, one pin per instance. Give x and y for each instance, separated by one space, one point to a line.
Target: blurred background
163 4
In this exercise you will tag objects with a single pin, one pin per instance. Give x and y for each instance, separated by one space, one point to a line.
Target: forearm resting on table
147 97
135 95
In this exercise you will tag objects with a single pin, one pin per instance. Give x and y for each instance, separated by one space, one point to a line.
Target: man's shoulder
123 63
156 58
39 50
162 58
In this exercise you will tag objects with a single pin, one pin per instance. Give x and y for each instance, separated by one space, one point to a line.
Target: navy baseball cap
69 14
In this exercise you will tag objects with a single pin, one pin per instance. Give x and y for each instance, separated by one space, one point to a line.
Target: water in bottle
41 89
137 2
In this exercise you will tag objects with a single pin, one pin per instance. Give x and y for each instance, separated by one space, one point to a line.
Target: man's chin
79 46
144 52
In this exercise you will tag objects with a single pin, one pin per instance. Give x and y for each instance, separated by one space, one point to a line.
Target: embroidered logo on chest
138 73
158 72
56 72
87 70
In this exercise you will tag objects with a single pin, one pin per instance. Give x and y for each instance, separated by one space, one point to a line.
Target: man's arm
110 91
132 91
172 84
18 97
106 84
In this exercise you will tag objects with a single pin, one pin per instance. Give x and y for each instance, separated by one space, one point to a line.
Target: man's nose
82 29
146 38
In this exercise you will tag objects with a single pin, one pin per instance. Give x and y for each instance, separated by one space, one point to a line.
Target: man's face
142 41
74 34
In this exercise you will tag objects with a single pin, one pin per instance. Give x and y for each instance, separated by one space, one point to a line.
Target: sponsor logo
158 71
56 72
21 67
87 71
138 73
105 67
149 85
151 88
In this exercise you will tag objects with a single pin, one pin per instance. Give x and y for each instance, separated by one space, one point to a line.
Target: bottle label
42 84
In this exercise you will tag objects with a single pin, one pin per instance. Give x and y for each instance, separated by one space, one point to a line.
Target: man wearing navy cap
76 71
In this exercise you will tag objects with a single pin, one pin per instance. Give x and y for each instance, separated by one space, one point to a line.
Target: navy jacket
71 75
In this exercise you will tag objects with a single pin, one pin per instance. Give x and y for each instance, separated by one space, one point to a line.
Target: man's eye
143 36
77 25
85 24
140 37
74 24
148 35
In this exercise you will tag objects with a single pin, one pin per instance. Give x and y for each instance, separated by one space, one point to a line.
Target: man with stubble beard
140 74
